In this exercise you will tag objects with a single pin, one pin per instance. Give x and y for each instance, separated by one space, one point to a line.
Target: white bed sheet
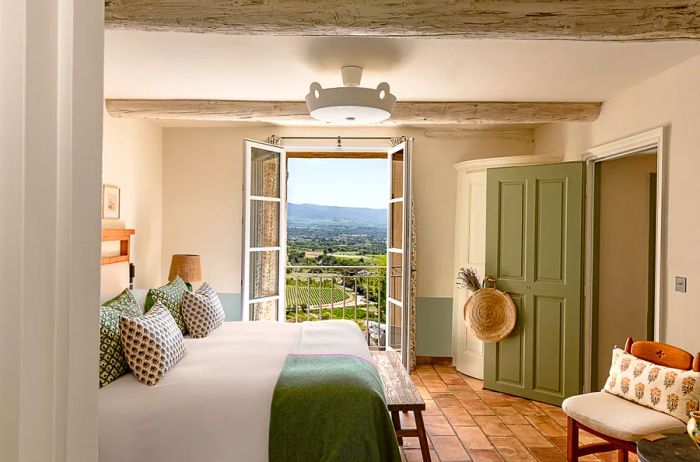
214 405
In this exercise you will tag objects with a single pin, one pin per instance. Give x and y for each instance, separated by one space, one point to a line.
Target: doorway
624 255
625 229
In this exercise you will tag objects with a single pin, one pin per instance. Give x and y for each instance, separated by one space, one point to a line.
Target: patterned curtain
412 332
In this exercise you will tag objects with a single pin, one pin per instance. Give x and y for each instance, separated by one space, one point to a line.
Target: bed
214 405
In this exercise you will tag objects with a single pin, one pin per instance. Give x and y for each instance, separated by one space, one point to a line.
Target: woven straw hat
490 314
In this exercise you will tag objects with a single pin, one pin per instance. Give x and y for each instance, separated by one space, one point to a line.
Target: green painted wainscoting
434 326
433 322
232 306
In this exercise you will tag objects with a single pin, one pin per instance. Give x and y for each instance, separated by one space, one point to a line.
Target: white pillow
675 392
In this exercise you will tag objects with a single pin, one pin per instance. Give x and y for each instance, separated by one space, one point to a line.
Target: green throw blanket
330 408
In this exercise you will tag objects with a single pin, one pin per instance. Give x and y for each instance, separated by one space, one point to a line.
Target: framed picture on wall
110 202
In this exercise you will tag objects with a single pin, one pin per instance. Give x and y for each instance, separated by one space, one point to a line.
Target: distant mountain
299 214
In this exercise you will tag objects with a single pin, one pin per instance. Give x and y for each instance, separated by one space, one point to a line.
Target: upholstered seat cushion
619 418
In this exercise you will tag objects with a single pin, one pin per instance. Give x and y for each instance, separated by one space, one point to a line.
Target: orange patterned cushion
673 391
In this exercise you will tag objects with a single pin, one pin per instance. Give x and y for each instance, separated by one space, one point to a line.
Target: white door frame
629 146
281 248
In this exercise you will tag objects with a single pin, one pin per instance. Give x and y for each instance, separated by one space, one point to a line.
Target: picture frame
111 202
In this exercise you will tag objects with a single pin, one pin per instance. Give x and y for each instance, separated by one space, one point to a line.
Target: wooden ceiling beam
590 20
405 112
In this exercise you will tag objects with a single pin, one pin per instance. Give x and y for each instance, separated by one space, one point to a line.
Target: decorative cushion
152 344
201 314
675 392
112 361
126 303
170 295
619 418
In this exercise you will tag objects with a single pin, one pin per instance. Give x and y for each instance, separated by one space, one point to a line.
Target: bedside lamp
188 267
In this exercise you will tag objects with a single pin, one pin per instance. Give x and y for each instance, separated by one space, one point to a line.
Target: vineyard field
313 296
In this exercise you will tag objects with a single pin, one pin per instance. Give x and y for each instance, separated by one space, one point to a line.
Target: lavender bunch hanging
467 278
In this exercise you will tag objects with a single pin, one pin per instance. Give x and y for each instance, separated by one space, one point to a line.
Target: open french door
399 251
264 232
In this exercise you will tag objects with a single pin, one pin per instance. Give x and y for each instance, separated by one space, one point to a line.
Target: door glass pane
395 323
264 273
397 175
264 311
395 276
264 173
396 233
264 223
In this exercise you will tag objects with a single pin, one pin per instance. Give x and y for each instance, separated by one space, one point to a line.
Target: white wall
51 57
202 193
132 158
671 99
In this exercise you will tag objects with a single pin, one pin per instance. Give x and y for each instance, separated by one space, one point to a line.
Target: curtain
412 327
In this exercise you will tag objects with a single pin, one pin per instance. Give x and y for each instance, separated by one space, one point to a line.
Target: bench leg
571 440
622 455
422 438
397 425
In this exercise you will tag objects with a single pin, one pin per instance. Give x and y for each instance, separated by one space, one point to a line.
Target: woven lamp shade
188 267
490 314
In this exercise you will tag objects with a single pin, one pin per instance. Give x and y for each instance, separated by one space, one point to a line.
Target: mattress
214 405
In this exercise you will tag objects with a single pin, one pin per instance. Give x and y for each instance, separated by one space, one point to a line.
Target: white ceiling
209 66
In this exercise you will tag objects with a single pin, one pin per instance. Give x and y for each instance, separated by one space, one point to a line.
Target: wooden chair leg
396 420
571 440
422 438
622 455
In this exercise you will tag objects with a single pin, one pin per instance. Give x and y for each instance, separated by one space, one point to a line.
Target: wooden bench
402 396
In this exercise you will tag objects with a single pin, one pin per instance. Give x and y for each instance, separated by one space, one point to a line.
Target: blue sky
340 182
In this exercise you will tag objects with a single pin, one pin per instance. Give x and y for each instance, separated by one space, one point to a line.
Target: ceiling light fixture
350 104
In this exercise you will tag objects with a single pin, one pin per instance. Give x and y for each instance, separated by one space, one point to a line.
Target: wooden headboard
124 238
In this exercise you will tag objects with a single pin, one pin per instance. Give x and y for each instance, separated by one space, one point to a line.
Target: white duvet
214 405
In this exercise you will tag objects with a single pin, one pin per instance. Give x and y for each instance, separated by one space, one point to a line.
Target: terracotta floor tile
452 379
446 400
504 410
548 454
409 443
415 378
473 438
527 409
529 436
424 393
612 457
435 386
485 455
559 442
476 384
449 448
516 419
464 393
458 416
441 369
546 425
431 408
477 407
511 449
492 425
437 425
407 420
414 455
557 415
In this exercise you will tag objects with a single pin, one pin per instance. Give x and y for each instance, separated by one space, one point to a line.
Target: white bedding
214 405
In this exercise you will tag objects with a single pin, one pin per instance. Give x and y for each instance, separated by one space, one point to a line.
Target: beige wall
671 99
202 187
623 297
132 159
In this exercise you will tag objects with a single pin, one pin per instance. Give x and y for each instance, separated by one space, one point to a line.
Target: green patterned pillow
112 361
170 295
125 303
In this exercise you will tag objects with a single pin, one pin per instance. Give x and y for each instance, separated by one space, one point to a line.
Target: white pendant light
350 104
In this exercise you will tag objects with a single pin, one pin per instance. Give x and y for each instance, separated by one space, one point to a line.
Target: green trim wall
434 326
433 322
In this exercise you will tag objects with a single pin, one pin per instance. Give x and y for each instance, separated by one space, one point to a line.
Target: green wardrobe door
534 236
